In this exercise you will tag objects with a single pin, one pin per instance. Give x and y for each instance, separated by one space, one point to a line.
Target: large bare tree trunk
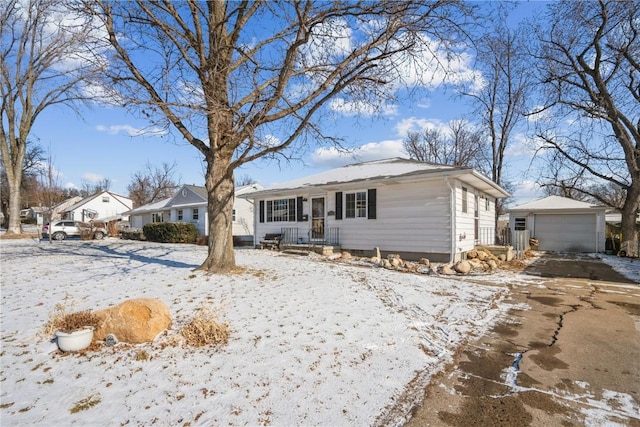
14 203
220 189
629 241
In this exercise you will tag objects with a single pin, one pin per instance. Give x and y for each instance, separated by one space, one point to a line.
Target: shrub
62 321
132 234
204 329
171 232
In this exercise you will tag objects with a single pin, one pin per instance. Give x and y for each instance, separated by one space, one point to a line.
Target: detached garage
561 224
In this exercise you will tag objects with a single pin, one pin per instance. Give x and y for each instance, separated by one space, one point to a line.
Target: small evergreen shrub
132 234
171 232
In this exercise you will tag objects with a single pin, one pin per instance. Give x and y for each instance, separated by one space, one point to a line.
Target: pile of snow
312 342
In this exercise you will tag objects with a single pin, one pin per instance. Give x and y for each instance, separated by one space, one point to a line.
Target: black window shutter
371 203
339 205
299 208
261 210
292 210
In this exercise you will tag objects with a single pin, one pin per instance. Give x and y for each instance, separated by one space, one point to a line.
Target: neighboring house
561 224
102 206
189 204
58 210
402 206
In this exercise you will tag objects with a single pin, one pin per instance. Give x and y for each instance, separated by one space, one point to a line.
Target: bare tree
502 101
241 80
39 69
590 74
460 145
153 184
245 180
88 189
29 187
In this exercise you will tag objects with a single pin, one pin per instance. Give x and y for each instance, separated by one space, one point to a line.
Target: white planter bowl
74 341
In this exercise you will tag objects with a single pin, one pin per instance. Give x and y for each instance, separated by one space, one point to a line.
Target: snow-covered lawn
312 343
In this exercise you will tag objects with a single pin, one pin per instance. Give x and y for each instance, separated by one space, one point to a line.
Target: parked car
60 230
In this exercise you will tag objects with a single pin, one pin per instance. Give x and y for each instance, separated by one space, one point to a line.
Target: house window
180 216
195 214
157 217
105 199
281 210
233 215
520 224
464 200
487 204
356 205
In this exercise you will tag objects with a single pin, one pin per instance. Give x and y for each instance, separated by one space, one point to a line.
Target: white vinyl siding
409 217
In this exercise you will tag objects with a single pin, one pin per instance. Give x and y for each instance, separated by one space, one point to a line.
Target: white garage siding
566 233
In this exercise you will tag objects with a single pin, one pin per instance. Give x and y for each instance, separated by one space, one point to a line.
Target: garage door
566 233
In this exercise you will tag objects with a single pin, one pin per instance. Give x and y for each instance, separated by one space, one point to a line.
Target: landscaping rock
463 267
134 321
472 254
492 264
482 255
447 270
395 262
424 261
346 255
375 260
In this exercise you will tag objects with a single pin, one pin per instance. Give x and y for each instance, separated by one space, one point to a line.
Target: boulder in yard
447 270
424 261
133 321
463 267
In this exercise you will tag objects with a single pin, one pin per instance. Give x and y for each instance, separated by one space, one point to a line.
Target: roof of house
86 200
555 203
151 207
387 171
197 189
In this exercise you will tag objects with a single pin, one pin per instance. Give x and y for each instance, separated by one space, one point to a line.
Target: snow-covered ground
312 343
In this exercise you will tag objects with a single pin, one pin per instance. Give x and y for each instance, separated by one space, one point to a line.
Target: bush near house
171 232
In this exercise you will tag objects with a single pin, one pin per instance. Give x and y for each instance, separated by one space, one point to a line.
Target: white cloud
354 108
92 177
414 124
332 157
526 191
131 131
70 185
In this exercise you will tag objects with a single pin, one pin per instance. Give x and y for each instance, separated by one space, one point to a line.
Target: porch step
324 250
295 252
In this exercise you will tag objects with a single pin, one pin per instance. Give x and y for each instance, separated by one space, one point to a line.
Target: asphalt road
568 354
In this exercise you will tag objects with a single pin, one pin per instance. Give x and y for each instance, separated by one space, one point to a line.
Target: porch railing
294 235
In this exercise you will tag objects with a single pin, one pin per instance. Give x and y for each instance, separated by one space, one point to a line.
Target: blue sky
104 142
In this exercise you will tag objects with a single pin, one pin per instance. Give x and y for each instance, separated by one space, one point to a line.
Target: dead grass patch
61 320
205 329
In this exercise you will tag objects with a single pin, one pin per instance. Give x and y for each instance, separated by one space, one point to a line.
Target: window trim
520 223
179 214
195 214
289 214
360 207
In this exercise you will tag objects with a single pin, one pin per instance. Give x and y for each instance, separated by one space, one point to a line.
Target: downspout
453 220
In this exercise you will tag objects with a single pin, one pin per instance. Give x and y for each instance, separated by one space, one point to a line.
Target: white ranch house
104 206
189 204
402 206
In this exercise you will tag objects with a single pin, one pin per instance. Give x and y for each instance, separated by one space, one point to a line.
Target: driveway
568 353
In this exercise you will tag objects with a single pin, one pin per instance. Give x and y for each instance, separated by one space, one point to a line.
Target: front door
317 218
